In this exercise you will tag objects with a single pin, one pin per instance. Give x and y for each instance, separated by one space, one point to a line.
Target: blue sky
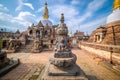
82 15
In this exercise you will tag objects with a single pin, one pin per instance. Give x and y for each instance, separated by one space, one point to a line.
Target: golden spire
46 16
116 4
62 18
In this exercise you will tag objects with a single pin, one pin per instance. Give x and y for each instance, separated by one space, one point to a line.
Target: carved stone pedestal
53 73
69 71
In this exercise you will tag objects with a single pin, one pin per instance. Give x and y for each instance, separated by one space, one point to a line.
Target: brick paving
31 64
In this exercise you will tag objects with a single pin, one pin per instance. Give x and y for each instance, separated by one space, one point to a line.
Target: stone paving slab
45 75
87 63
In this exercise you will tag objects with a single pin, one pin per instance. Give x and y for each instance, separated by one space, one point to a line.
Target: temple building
44 31
34 39
110 32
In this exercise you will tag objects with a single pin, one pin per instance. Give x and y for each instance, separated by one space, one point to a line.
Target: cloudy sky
82 15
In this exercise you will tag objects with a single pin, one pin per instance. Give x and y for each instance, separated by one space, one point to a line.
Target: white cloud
68 11
93 23
22 21
75 2
95 5
21 4
73 18
3 8
40 9
5 17
23 15
25 18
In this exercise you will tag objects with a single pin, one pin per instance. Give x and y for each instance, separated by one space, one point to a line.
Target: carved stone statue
13 44
37 46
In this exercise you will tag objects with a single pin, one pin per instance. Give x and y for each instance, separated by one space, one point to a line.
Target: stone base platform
51 73
70 71
12 64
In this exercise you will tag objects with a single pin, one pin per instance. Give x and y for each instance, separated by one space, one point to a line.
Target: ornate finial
32 25
46 3
46 16
17 32
116 4
62 18
40 24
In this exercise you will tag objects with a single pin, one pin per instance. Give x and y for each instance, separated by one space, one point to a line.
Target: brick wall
102 51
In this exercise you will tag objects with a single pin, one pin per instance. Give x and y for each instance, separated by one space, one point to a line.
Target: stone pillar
101 37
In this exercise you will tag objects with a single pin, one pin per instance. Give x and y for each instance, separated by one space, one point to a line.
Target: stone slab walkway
32 64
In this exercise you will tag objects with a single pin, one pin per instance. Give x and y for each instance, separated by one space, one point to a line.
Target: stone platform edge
44 76
9 67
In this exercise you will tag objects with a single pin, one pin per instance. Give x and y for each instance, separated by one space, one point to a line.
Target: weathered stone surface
110 33
63 62
63 55
37 46
52 72
68 71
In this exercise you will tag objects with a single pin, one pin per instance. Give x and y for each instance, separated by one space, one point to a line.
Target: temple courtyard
32 64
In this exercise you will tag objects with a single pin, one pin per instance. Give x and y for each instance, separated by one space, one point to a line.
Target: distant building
78 36
81 36
44 31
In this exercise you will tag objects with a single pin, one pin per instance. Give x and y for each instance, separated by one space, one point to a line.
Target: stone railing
115 49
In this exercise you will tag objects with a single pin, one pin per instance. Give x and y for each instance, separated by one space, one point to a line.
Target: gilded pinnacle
116 4
62 18
45 16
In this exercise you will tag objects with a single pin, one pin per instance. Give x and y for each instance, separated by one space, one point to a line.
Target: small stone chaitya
63 58
62 65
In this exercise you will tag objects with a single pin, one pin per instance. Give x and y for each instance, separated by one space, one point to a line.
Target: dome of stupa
46 22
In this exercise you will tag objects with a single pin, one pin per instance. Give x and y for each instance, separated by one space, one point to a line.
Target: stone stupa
62 65
115 15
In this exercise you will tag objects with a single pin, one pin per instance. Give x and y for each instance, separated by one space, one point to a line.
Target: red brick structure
107 34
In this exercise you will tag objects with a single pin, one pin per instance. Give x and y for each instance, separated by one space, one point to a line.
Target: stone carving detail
37 46
63 57
13 44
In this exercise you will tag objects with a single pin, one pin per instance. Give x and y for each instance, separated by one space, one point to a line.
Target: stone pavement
33 63
92 68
